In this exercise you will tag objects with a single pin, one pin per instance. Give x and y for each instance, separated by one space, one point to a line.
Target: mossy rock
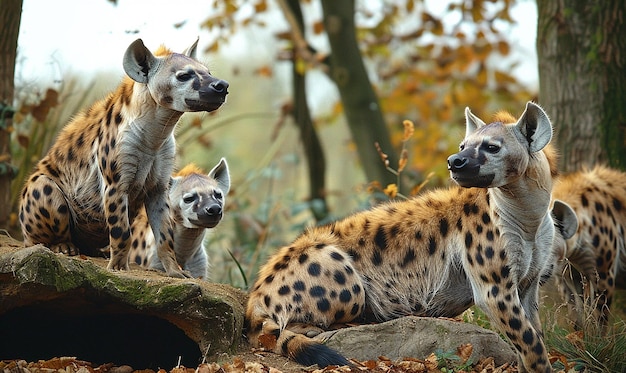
54 305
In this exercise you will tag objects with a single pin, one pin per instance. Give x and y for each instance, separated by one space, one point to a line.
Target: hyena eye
461 146
183 76
492 148
189 198
217 195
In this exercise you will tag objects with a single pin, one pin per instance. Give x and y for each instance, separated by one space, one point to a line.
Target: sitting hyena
586 278
117 157
196 205
433 255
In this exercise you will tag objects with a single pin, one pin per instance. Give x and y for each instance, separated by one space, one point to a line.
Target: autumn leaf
409 129
391 190
264 71
404 158
464 351
268 341
318 27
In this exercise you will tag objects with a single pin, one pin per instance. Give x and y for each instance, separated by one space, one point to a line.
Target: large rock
417 337
55 305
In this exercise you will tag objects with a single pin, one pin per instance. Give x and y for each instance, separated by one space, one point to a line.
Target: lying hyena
594 255
116 158
196 206
433 255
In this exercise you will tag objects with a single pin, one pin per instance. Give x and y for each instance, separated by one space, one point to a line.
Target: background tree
360 103
582 59
10 16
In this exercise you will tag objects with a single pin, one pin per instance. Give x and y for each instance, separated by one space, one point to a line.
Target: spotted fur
197 202
433 255
594 255
116 157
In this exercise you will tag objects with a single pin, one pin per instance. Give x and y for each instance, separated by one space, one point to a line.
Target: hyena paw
65 248
118 264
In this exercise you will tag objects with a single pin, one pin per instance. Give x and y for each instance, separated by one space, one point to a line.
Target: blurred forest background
341 104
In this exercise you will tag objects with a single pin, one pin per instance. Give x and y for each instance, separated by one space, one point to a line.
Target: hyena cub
116 158
487 241
196 205
592 258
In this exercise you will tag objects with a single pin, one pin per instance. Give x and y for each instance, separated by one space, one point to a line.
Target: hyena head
495 154
566 225
176 81
200 197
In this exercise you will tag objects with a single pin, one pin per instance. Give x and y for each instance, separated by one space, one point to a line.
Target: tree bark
314 153
582 58
363 112
10 17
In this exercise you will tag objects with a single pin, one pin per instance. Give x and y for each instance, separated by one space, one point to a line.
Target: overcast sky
92 35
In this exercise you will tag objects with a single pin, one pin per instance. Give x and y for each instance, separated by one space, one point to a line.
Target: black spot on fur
314 269
298 286
345 296
443 227
380 239
377 258
486 218
337 256
515 323
317 291
468 240
408 257
432 246
303 258
339 277
116 232
323 305
528 337
284 290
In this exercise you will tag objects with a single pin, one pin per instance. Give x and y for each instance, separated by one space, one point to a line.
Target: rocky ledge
52 305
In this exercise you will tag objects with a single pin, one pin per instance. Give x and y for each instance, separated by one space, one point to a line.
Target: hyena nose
219 86
213 209
456 162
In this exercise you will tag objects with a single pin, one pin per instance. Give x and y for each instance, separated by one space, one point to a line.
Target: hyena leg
529 298
157 210
45 216
117 216
497 296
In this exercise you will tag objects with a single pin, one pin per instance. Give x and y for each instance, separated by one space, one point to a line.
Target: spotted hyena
116 158
487 241
592 258
197 203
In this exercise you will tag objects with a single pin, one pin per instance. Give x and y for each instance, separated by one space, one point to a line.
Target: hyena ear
534 125
139 62
565 219
191 50
221 174
174 181
472 122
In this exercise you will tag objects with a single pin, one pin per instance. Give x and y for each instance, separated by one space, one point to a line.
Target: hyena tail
306 351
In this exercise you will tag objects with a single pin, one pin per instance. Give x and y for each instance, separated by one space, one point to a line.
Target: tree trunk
360 102
582 59
10 16
314 153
